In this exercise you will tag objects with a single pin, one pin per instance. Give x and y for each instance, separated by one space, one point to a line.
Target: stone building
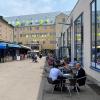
6 30
37 28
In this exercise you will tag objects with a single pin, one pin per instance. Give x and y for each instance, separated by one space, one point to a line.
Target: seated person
57 76
79 74
55 73
57 62
65 67
50 61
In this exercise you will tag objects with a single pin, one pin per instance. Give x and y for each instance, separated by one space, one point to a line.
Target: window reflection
93 32
98 32
69 42
79 39
95 28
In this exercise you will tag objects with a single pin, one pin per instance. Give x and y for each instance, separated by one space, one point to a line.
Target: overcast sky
25 7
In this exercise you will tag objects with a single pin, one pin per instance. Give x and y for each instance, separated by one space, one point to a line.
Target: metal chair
67 84
79 82
54 84
74 82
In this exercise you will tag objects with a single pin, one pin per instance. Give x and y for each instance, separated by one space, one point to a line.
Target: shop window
78 25
95 35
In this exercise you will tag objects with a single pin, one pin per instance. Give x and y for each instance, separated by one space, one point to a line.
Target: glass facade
78 39
95 34
69 42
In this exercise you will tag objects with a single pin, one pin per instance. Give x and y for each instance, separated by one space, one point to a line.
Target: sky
27 7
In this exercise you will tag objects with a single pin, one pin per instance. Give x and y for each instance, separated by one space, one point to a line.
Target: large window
78 27
95 34
69 42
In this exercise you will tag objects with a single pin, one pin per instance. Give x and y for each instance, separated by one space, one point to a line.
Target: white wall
83 6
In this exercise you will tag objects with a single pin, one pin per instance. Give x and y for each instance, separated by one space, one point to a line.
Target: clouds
24 7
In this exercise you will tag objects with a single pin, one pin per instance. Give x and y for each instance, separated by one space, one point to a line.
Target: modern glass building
83 36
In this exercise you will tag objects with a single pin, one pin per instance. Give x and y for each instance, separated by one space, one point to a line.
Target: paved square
25 80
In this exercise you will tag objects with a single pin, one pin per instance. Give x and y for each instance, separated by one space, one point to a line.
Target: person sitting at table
66 68
56 75
79 74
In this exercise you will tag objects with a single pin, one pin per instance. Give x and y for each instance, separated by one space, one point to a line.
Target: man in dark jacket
80 75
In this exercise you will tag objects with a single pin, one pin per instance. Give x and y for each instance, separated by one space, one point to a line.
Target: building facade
60 35
6 31
37 28
44 35
83 36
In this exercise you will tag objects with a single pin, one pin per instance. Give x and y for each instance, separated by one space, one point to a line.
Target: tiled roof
34 19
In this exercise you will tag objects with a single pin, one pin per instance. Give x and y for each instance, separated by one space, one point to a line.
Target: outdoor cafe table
69 70
68 76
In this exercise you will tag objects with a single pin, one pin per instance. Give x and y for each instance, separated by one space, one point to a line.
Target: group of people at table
61 70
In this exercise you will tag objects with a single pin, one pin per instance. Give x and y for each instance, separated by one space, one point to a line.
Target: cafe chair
80 82
67 84
54 84
76 83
